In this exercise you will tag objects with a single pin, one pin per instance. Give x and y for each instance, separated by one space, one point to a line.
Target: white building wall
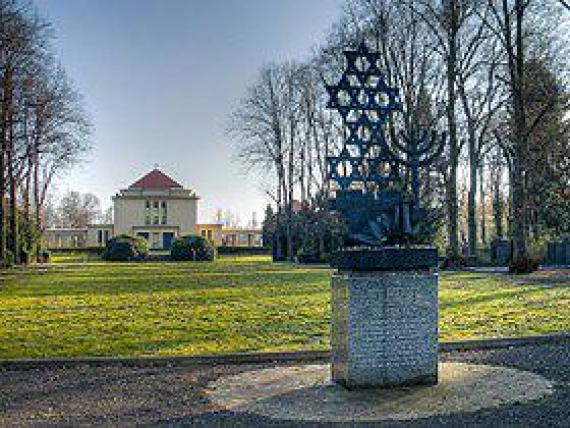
184 214
129 211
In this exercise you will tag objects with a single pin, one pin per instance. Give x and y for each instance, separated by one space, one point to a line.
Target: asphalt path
111 395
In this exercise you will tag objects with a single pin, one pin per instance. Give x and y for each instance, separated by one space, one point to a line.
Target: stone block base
384 328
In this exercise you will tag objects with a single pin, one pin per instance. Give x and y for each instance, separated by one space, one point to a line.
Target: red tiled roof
297 206
155 179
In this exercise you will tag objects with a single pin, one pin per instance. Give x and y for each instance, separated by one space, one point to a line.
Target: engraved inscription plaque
384 329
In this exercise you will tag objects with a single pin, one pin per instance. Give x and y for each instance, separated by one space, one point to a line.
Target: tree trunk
451 185
37 198
290 255
498 211
311 125
30 230
6 83
14 241
482 207
520 251
496 177
519 196
8 167
472 193
302 171
472 211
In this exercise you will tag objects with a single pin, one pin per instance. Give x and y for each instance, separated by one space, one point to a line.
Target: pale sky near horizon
159 78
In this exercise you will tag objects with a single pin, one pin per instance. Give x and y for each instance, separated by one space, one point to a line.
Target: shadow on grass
495 296
545 279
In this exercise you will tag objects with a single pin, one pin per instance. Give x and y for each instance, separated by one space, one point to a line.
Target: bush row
245 251
135 248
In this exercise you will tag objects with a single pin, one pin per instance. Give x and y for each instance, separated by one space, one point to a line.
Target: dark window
147 212
155 213
163 218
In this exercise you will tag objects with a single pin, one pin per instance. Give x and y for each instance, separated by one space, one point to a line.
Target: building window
99 237
203 232
155 212
106 238
210 235
147 213
163 218
155 240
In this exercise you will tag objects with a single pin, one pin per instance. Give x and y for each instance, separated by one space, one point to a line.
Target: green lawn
235 304
74 257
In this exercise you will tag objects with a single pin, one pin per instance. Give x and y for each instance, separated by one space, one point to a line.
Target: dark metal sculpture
366 179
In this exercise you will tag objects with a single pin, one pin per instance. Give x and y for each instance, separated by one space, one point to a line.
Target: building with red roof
157 208
156 179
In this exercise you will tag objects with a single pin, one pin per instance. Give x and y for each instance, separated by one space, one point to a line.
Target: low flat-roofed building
62 237
99 234
242 237
212 232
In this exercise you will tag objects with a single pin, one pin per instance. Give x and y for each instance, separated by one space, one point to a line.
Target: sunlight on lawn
236 304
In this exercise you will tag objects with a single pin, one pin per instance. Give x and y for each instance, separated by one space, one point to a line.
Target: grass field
236 304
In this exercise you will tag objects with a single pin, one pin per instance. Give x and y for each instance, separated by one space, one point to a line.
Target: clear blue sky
159 78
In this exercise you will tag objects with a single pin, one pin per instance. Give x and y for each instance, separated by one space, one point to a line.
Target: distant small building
212 232
65 237
157 208
242 237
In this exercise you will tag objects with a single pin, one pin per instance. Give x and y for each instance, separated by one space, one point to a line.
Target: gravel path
173 396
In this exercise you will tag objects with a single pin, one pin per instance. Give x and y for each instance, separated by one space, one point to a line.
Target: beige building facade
156 208
159 209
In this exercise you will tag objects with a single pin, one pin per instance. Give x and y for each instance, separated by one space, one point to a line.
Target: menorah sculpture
366 177
384 292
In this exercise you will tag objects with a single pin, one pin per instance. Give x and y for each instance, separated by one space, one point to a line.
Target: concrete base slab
306 393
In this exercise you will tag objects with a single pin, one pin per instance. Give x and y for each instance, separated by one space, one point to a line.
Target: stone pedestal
384 328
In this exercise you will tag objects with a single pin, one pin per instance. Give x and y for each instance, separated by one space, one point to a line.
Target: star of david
364 101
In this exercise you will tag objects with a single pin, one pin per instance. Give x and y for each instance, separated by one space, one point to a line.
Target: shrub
25 256
192 247
126 248
527 265
311 257
44 256
9 259
244 251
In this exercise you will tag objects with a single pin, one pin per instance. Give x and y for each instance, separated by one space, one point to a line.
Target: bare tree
481 97
43 127
509 22
78 210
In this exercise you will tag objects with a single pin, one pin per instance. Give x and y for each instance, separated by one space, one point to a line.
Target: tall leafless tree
43 126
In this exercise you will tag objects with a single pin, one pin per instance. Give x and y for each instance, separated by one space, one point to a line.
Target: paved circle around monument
305 392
